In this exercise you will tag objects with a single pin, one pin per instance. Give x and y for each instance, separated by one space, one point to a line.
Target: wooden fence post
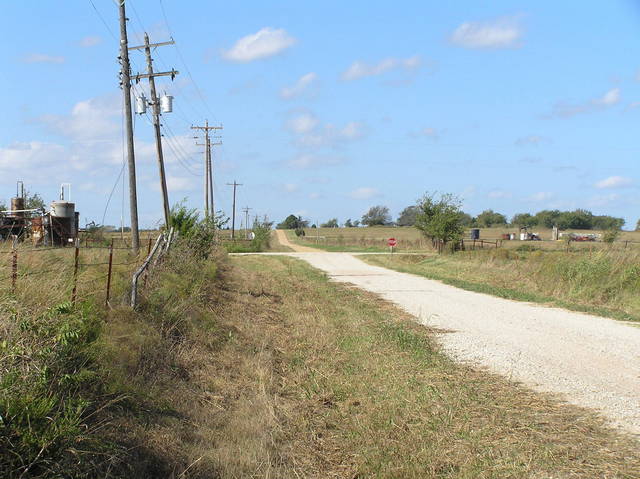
14 264
75 272
106 301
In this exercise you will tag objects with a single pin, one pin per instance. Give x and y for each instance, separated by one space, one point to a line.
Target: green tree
523 219
348 223
547 218
467 220
489 218
605 222
407 216
376 216
440 218
292 222
33 201
332 223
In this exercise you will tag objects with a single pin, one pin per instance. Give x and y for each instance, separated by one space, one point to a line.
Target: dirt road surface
591 361
284 241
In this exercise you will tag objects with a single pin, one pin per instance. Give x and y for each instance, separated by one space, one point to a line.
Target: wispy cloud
614 182
265 43
360 69
540 196
503 32
299 87
364 193
428 132
43 58
567 110
499 194
302 123
308 160
90 41
309 133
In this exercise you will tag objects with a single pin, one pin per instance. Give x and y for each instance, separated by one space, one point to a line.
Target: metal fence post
14 263
75 272
106 301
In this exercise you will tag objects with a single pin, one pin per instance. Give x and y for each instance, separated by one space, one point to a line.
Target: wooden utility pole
156 115
233 215
208 168
246 221
125 78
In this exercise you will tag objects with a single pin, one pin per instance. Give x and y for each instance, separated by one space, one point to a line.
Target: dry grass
604 281
374 239
327 381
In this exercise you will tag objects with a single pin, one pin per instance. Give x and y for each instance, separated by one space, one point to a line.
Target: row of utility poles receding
209 207
141 103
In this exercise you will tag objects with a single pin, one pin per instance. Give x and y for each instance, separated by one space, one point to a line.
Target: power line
195 84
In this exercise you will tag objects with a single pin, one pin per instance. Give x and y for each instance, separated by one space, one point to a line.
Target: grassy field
603 282
374 239
328 381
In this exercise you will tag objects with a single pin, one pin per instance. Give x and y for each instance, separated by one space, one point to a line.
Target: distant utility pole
208 167
246 210
125 79
156 114
233 216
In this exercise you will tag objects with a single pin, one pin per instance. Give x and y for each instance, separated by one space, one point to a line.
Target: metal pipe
136 275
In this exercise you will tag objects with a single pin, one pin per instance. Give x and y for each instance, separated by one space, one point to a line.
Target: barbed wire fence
86 270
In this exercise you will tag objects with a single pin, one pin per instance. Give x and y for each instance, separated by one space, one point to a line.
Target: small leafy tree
407 216
610 235
348 223
292 222
440 218
33 201
332 223
488 218
376 216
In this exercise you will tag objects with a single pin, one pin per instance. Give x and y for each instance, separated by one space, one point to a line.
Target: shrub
610 235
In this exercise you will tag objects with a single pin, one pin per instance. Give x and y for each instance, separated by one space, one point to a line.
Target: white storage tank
166 103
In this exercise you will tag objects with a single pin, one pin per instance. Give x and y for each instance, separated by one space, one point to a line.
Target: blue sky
331 107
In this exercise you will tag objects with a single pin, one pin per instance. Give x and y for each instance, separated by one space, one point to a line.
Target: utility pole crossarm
152 45
139 76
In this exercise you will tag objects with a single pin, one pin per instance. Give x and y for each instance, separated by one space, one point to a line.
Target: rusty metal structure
57 227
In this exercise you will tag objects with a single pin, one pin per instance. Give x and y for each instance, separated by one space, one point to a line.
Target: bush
610 236
299 232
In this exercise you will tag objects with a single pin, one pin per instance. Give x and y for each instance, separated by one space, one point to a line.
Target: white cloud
90 41
93 119
302 123
360 69
306 160
299 87
364 193
331 136
614 182
503 32
499 194
541 196
315 196
43 58
177 183
567 110
290 187
265 43
609 98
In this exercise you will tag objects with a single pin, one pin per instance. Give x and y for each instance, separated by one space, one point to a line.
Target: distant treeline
577 219
565 220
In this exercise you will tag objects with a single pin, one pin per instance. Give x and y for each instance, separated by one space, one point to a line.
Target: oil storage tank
63 222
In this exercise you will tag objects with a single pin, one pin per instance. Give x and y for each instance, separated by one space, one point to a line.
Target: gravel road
591 361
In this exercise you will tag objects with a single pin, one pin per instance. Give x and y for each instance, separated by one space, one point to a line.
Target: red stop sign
392 242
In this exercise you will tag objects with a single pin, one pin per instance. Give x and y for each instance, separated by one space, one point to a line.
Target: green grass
573 281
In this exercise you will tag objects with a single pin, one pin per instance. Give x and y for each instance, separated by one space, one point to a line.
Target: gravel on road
591 361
